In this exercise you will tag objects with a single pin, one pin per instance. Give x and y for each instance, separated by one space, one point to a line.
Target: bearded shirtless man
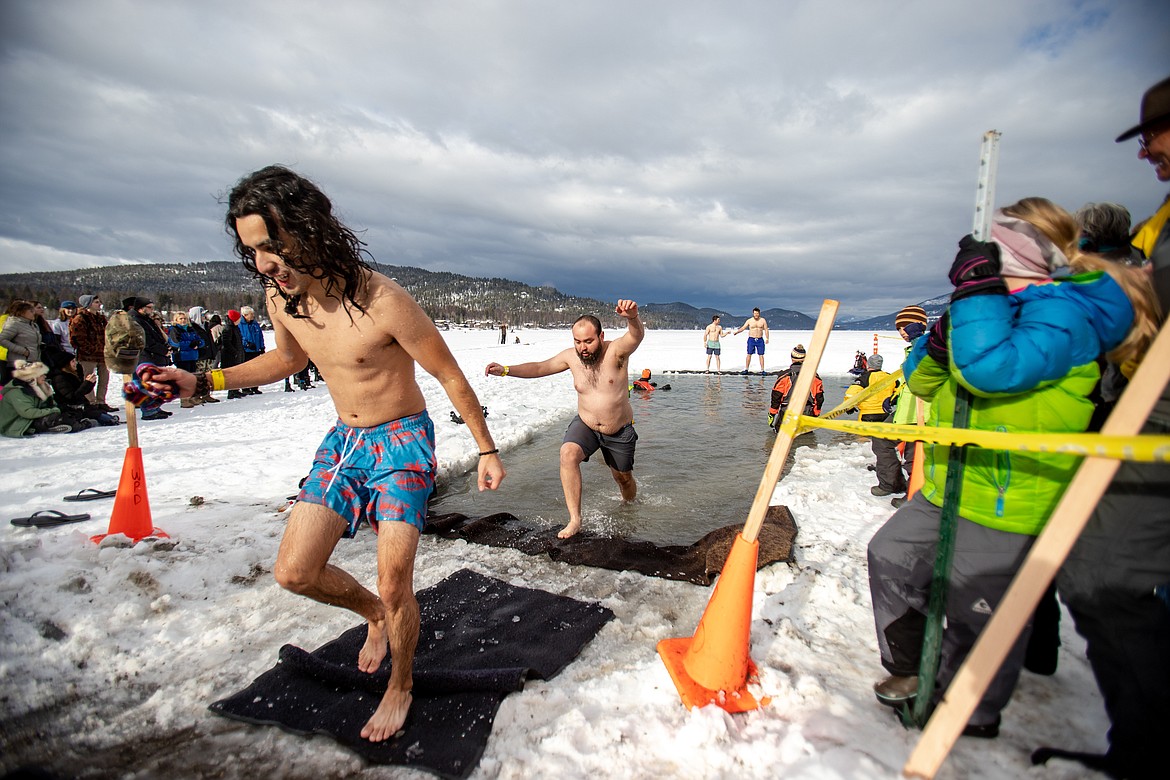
377 463
605 419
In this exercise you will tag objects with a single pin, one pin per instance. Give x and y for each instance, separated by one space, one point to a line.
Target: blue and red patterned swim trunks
383 473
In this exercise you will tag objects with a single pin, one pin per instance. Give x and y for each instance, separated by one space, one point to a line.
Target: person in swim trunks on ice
757 328
711 337
377 464
604 416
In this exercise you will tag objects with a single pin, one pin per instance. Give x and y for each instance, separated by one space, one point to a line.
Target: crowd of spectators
53 373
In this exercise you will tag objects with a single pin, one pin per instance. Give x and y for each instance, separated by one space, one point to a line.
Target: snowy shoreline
109 657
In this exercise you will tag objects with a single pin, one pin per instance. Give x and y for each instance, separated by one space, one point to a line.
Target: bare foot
374 650
389 716
573 527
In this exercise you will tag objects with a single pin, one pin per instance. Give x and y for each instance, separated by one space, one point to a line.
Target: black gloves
976 269
936 342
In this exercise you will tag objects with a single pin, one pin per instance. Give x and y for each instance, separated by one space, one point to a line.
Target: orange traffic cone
917 475
131 515
713 666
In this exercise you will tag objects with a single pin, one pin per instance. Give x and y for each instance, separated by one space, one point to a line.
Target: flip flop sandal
47 518
92 494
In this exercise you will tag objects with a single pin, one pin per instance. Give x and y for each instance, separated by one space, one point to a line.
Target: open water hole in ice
702 448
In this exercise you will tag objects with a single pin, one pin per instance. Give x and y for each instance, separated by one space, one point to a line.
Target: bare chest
332 341
609 378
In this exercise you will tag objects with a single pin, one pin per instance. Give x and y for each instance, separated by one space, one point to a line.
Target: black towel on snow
480 638
699 563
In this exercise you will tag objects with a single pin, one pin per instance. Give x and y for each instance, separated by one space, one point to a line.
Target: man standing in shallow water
377 463
711 337
757 328
605 419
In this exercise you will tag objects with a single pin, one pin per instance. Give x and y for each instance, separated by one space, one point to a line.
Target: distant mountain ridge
446 297
934 309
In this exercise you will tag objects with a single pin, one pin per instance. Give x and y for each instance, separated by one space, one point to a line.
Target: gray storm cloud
744 154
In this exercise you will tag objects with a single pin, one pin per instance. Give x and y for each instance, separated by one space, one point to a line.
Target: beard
589 359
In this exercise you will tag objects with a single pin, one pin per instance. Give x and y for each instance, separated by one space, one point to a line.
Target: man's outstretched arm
285 360
554 365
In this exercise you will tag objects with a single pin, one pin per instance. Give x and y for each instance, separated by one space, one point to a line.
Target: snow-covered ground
109 656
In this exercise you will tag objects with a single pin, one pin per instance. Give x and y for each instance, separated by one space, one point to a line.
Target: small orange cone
917 475
131 515
713 666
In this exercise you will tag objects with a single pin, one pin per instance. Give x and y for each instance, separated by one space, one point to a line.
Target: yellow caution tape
868 392
1142 449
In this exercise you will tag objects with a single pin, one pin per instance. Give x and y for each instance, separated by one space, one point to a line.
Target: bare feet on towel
389 716
374 650
573 527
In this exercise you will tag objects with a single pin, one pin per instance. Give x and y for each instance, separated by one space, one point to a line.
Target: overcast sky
724 154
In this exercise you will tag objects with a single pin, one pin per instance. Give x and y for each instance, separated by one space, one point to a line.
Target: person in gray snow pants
1108 584
901 565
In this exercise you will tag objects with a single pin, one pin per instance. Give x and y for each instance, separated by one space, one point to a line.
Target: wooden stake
788 427
131 417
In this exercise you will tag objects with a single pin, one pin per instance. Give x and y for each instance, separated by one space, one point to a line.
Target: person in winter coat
27 404
215 330
156 349
61 325
1025 346
911 324
87 333
782 390
877 409
231 347
860 364
20 334
185 344
1105 230
197 317
71 393
253 337
1115 578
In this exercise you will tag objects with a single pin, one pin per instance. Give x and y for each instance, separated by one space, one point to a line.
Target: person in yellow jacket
877 409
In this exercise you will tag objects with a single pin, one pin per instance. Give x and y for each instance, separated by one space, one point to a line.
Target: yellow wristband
505 371
217 382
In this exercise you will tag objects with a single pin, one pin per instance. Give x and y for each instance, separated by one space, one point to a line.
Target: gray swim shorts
616 448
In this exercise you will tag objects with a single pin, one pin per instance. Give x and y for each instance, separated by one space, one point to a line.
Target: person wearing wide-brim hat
1115 579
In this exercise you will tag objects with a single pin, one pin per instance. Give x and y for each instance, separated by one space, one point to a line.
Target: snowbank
109 656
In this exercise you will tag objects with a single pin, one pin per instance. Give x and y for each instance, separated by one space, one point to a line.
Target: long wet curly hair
321 245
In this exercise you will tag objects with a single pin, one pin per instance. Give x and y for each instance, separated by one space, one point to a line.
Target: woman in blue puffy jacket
1022 336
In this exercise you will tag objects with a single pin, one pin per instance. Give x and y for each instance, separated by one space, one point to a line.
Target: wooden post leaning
714 665
131 417
788 425
1039 568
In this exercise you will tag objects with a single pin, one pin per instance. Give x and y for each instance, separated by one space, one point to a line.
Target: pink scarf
1025 252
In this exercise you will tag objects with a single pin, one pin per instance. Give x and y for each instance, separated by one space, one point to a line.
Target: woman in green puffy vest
1022 336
